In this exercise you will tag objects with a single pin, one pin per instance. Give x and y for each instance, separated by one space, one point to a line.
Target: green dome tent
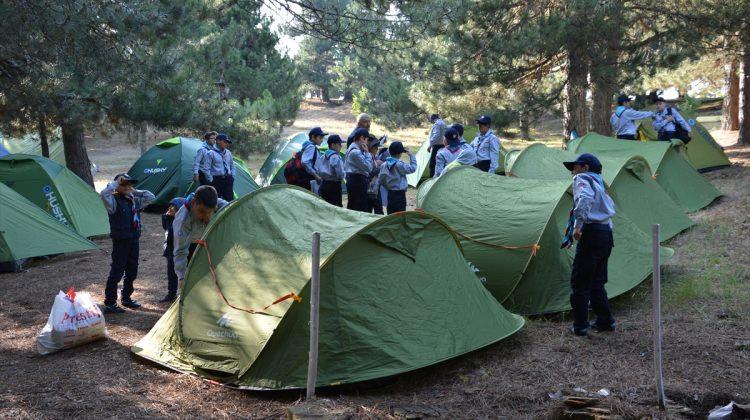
676 176
27 231
703 152
27 145
423 164
167 171
396 295
58 191
499 219
636 194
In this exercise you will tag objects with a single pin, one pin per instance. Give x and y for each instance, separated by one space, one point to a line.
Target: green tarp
167 171
490 212
396 295
636 194
58 191
27 231
703 152
423 165
676 176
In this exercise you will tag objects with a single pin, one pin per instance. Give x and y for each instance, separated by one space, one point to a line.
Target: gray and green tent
423 165
673 172
703 152
167 171
272 171
499 219
635 193
27 231
396 295
56 190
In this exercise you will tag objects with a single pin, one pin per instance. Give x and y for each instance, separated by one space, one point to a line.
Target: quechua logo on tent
53 205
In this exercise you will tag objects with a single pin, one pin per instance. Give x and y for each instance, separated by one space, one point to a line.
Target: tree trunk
76 156
325 95
43 136
348 95
142 134
523 124
574 96
603 85
730 109
744 122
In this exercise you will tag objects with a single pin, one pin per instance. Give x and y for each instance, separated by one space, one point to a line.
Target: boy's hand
577 234
196 178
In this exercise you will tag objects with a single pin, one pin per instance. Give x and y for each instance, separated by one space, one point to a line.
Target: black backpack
679 131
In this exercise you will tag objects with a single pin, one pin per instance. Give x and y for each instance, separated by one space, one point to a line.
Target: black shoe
598 328
579 332
113 309
130 303
168 299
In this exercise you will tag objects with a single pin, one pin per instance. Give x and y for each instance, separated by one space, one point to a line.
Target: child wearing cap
310 154
358 164
487 146
449 153
624 118
374 200
124 204
166 222
330 168
591 225
204 160
190 222
393 176
437 133
224 183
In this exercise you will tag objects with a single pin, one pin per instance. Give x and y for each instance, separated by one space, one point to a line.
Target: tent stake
312 366
656 297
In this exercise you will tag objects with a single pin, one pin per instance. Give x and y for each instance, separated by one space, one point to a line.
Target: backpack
295 172
679 131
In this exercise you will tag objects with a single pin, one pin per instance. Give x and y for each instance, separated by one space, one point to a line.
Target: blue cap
433 117
622 99
126 177
396 148
316 131
585 159
458 127
334 138
223 137
360 132
484 120
451 134
177 202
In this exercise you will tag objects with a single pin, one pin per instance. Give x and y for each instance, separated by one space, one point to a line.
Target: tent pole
656 297
312 366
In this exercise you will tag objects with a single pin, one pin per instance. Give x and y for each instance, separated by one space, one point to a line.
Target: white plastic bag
74 320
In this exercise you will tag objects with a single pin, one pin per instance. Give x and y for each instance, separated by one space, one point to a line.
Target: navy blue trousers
124 262
589 276
171 277
433 158
330 191
356 189
396 201
224 186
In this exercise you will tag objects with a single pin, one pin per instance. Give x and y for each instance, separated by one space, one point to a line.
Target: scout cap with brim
584 159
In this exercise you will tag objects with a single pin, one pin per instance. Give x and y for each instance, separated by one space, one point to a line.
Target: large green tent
167 171
500 218
676 176
57 190
396 295
27 231
423 165
636 194
703 152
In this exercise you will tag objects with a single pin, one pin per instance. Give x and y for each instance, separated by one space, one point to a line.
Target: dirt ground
706 343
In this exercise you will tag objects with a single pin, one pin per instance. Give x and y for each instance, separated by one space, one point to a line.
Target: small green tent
167 170
499 219
676 176
636 194
58 191
396 295
703 152
29 145
272 171
27 231
423 165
